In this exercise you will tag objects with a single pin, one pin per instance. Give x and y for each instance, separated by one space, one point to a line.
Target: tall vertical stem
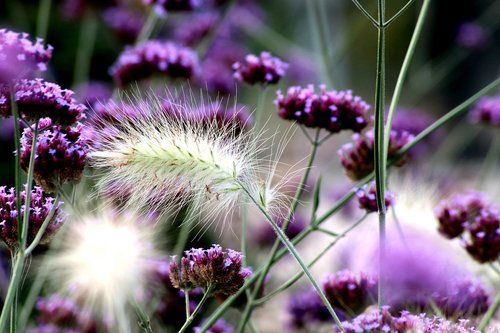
86 41
42 21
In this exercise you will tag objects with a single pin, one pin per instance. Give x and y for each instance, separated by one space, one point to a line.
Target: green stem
86 43
143 319
12 291
260 112
17 168
188 309
42 22
43 227
297 276
489 315
190 319
185 229
401 11
293 251
365 13
489 162
148 27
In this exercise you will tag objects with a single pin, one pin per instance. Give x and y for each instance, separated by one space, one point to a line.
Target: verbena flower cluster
486 111
264 69
213 269
367 198
331 110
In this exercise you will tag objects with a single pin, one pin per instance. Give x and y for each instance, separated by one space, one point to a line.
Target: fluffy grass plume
164 154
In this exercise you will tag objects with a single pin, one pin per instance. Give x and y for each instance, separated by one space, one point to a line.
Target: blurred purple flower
331 110
471 35
40 206
486 111
60 154
125 22
93 93
220 326
264 69
217 77
77 9
414 121
367 198
154 57
306 308
161 7
483 241
38 98
464 298
266 236
19 57
191 32
357 157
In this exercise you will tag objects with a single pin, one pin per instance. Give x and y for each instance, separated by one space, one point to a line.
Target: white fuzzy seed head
105 262
165 158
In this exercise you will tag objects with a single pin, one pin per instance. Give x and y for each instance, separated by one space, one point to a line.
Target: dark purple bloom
350 292
264 69
486 111
367 198
40 206
191 32
464 298
357 158
19 57
483 242
458 212
163 6
331 110
154 57
60 154
212 269
125 22
38 98
471 35
306 308
220 326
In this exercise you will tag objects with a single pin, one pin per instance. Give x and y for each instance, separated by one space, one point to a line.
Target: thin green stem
42 22
404 69
188 308
365 13
16 276
190 319
293 251
489 162
401 11
148 27
17 167
13 313
260 112
297 276
489 314
142 319
43 227
86 43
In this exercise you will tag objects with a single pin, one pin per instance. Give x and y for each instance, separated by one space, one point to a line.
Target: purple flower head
464 298
483 242
237 118
350 292
38 98
64 313
220 326
357 157
458 212
486 111
40 206
19 57
471 36
163 6
92 93
125 22
216 77
212 269
154 57
367 198
60 154
264 69
191 32
305 308
331 110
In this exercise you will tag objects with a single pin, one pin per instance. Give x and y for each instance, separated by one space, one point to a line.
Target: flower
464 298
38 98
306 308
366 196
357 157
350 292
483 243
486 111
93 93
105 262
154 57
264 69
191 32
60 154
163 6
125 23
220 326
217 77
459 211
212 270
40 206
471 35
19 57
331 110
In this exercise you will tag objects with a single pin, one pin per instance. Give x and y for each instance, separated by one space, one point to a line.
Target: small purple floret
264 69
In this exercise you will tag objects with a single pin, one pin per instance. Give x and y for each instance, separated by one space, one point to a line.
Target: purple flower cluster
56 313
476 221
212 269
471 36
486 111
357 158
350 292
154 57
264 69
38 98
464 298
125 22
40 206
163 6
191 32
60 154
367 198
220 326
331 110
19 56
376 321
306 308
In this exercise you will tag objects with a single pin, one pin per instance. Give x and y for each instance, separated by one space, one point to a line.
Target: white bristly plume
105 261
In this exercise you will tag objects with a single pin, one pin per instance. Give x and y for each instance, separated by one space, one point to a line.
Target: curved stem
365 13
43 227
401 11
190 319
